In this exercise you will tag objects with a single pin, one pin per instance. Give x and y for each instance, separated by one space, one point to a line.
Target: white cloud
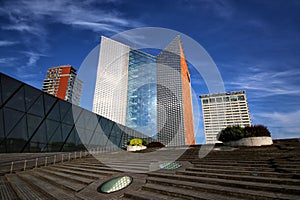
282 124
7 61
32 18
268 83
4 43
84 14
33 57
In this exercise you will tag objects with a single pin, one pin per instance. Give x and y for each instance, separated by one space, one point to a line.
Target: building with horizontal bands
61 82
151 94
222 110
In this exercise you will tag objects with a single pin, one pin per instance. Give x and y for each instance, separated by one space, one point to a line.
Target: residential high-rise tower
151 94
61 82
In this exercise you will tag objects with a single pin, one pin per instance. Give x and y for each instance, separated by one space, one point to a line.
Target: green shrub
155 144
145 143
136 142
258 131
233 133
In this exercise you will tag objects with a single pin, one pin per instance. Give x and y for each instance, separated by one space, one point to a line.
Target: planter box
136 148
251 142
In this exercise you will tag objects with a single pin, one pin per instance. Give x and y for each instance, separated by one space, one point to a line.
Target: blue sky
255 44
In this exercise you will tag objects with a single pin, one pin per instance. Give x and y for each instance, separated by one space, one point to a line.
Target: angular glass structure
34 121
150 94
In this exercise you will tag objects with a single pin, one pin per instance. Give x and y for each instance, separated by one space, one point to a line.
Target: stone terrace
269 172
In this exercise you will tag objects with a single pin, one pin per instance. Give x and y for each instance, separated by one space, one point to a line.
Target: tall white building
111 84
222 110
151 94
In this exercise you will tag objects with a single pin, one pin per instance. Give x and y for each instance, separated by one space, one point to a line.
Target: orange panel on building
63 83
187 100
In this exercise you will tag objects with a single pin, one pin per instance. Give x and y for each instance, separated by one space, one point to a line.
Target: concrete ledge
136 148
251 141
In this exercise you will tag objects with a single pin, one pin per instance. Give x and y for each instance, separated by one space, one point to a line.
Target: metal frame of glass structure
34 121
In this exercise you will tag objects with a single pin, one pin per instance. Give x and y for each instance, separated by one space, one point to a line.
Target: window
219 99
212 100
241 97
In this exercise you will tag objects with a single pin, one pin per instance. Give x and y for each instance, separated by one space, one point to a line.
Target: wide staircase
270 172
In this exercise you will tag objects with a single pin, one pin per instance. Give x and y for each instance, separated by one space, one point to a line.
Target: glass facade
34 121
141 98
150 94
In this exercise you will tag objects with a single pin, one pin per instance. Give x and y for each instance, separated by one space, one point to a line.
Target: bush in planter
257 131
233 133
155 144
136 142
145 143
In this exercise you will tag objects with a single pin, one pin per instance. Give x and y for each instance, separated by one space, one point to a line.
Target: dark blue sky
255 44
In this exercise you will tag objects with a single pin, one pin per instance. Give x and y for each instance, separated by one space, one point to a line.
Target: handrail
24 164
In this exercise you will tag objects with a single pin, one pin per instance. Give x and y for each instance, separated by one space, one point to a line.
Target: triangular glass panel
76 112
17 102
31 95
54 113
78 140
17 138
65 131
40 135
71 139
0 91
68 118
9 86
49 100
83 119
38 107
64 108
92 122
32 123
98 138
2 134
83 134
53 131
20 130
11 118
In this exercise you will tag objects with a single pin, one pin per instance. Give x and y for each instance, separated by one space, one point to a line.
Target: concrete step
147 195
184 193
232 183
234 167
130 163
51 178
227 191
53 190
94 167
68 176
234 164
79 172
285 181
100 172
24 190
240 172
6 191
127 168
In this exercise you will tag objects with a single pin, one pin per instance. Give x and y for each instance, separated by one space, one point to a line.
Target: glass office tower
150 94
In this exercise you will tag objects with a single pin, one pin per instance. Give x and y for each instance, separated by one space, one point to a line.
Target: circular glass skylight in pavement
170 165
115 184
